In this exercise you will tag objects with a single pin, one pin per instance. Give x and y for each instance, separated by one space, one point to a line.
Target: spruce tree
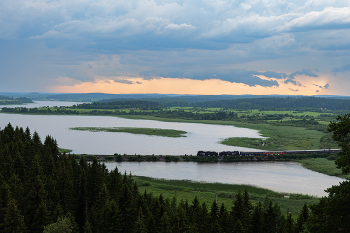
257 225
82 202
140 225
302 218
224 219
111 218
65 184
214 211
13 220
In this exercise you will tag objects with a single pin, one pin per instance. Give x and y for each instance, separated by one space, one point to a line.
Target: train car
251 153
229 153
264 153
273 152
207 153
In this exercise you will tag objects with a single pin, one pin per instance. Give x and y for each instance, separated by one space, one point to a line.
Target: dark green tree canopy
341 134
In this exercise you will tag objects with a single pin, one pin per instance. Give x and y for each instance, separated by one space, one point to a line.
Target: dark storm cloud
125 81
292 82
248 77
306 72
226 40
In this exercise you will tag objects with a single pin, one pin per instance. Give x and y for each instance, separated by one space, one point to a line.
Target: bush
89 157
109 158
332 157
146 183
152 158
119 158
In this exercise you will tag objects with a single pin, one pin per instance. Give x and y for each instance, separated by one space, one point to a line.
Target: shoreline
321 165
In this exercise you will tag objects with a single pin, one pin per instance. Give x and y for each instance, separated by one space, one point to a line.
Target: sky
259 47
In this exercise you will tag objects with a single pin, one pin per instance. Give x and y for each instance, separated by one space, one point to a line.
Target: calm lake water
288 177
198 137
277 176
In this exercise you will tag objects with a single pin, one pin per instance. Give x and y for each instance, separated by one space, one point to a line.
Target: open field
145 131
279 138
324 166
61 150
206 192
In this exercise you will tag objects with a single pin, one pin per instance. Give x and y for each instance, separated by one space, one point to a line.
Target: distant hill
6 100
222 101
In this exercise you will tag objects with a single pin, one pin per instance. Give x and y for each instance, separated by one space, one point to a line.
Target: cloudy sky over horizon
172 46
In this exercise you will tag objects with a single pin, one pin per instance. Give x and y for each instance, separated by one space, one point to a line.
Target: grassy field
145 131
61 150
279 137
206 192
324 166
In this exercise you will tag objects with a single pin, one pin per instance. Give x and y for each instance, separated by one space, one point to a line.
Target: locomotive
260 153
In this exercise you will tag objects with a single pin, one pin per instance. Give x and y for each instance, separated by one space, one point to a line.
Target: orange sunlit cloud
308 86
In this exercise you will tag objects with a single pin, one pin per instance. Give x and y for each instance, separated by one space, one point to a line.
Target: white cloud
179 26
329 17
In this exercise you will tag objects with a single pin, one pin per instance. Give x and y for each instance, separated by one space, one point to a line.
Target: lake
278 176
198 137
287 177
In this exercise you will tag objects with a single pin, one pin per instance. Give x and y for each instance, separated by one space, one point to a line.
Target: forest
42 190
6 100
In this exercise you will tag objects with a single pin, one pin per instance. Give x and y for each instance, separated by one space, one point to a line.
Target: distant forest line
6 100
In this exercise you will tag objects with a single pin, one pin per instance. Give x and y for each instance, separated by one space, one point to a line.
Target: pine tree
13 220
63 225
98 207
37 144
111 218
65 184
289 224
257 219
95 178
180 221
164 224
87 228
224 219
302 218
215 227
140 225
269 217
82 202
126 208
213 215
241 210
36 211
5 197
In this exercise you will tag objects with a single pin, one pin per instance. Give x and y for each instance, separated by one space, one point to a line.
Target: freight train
260 153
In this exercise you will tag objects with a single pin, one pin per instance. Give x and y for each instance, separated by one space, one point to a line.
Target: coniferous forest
42 190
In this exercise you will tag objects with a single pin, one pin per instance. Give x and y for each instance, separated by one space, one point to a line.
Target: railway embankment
203 159
322 163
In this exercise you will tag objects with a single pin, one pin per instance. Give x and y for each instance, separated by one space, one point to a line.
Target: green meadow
207 192
323 165
144 131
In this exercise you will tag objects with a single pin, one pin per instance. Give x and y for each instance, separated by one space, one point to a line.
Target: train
262 153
